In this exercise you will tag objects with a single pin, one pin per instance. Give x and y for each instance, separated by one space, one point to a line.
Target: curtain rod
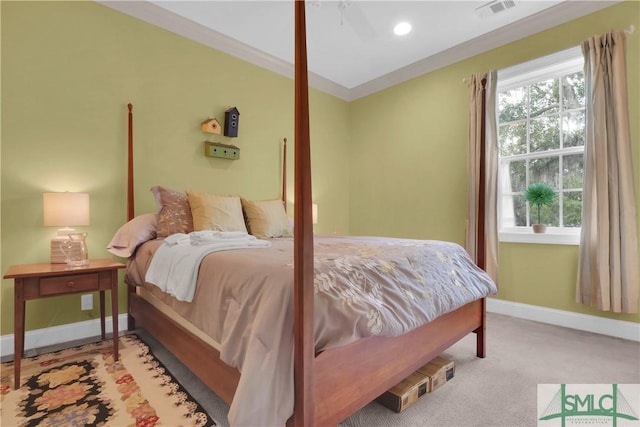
467 80
628 31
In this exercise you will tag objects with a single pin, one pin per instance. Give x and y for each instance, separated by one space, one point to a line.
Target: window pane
572 171
544 98
549 215
572 208
512 105
544 134
573 90
513 210
541 135
513 139
573 129
520 210
518 175
545 170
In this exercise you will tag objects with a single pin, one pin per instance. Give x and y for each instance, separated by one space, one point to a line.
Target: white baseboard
568 319
59 334
599 325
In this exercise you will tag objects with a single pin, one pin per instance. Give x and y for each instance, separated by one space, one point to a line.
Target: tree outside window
541 134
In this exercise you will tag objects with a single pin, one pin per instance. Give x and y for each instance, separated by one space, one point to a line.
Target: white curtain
608 265
482 220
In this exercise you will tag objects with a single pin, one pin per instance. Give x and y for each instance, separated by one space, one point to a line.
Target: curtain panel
482 219
608 262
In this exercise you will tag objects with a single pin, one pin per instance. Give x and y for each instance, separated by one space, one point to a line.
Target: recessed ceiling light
402 29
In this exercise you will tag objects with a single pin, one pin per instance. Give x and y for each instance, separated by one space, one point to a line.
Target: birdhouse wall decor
231 122
211 126
223 151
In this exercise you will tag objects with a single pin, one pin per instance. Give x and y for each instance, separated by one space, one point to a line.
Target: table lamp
64 210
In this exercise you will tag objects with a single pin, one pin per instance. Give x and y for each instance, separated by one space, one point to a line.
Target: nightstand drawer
69 284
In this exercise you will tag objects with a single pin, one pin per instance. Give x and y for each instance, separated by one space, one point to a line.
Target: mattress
147 293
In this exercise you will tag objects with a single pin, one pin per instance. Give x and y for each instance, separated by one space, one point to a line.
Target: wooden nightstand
34 281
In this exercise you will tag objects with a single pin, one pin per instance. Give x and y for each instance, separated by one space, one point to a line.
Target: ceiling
352 50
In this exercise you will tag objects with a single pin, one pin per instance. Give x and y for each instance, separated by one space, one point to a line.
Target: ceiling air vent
494 7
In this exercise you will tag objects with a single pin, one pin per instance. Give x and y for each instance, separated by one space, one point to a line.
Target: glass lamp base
77 263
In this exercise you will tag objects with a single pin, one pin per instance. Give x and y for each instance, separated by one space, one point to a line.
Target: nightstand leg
114 312
18 330
102 328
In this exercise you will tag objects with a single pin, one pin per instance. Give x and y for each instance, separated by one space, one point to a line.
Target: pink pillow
132 234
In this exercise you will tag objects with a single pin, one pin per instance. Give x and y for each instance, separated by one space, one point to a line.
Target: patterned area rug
83 386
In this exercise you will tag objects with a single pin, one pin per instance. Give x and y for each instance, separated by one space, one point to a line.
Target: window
541 134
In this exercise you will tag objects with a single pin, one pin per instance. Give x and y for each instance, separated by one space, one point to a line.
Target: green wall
68 71
393 163
410 179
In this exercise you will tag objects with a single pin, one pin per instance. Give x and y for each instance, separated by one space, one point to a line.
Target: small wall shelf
223 151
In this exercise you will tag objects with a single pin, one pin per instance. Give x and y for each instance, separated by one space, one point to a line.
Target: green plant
539 194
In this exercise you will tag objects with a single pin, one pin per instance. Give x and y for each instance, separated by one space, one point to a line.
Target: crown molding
539 22
544 20
160 17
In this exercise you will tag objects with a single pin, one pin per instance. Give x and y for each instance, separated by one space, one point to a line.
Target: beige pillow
174 213
219 213
267 218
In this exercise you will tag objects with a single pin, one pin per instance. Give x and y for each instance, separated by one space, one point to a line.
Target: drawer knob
71 284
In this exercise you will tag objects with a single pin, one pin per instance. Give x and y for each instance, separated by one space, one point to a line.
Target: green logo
589 402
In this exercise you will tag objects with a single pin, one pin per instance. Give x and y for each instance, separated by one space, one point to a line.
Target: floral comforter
364 286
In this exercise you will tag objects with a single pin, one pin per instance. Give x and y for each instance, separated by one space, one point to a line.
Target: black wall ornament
231 122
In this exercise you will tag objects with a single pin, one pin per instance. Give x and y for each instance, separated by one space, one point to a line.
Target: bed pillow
267 218
174 212
133 234
213 212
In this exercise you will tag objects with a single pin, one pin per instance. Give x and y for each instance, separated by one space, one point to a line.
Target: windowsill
551 237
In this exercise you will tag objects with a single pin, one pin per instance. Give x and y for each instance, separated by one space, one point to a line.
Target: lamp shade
65 209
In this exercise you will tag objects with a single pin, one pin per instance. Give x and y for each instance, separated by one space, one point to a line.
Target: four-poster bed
332 384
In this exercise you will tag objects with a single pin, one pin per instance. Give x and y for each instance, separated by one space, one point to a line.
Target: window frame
560 63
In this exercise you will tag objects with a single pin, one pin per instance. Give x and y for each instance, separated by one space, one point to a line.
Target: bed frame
333 384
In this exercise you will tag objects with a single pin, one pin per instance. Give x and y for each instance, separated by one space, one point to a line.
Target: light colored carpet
499 391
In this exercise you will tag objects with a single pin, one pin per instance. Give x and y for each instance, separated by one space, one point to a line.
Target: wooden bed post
303 367
130 206
284 173
131 322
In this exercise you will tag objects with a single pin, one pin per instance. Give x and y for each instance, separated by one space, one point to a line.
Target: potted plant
539 194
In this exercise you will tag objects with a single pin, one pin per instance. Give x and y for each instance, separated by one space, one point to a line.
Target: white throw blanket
174 268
